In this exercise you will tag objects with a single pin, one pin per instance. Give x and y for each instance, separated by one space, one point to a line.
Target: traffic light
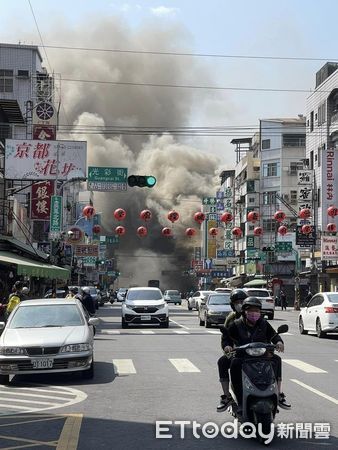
141 181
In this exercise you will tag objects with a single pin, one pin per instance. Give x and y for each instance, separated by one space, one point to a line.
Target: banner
330 183
40 200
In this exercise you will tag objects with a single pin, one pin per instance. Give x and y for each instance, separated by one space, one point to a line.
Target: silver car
215 310
172 296
44 336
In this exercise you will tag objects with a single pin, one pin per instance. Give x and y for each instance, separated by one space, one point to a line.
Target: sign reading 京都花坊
44 160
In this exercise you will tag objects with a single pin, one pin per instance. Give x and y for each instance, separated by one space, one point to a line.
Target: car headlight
8 351
161 306
255 351
211 312
128 306
74 348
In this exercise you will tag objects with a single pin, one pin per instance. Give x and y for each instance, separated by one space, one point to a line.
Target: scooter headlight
255 351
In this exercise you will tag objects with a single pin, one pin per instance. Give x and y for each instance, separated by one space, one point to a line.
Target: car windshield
146 294
258 293
40 316
219 300
333 297
173 293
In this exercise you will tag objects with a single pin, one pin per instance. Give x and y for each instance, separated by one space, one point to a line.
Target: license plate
42 363
145 317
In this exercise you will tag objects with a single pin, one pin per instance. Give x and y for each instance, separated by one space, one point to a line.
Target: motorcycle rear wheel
266 421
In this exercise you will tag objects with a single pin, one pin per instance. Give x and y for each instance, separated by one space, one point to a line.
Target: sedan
215 310
197 298
320 314
172 296
47 337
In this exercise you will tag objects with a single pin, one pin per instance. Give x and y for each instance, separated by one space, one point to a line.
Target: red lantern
190 232
282 230
258 231
120 214
173 216
96 229
331 227
213 231
332 211
226 217
304 213
120 230
279 216
236 232
199 217
306 229
167 232
88 211
253 216
142 231
145 215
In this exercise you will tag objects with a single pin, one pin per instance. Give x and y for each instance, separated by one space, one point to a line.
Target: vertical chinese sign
56 214
41 200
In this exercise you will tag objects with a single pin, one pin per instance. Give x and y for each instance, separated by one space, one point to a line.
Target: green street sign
89 261
107 178
209 201
56 214
112 239
283 247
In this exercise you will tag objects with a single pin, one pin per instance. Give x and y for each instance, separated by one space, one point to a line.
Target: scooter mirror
283 329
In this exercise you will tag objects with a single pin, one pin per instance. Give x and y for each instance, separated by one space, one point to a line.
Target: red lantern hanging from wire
199 217
279 216
236 232
120 214
306 229
88 211
304 213
120 230
167 232
142 231
253 216
213 232
173 216
331 227
258 231
145 215
96 229
190 232
226 217
332 211
282 230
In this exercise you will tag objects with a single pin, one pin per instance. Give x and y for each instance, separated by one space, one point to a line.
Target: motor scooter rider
237 297
251 327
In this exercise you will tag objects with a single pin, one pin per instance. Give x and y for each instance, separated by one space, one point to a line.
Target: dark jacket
239 333
88 302
229 321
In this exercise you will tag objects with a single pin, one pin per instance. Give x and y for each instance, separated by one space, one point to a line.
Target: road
144 374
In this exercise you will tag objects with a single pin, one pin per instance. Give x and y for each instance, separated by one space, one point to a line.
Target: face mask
238 307
253 316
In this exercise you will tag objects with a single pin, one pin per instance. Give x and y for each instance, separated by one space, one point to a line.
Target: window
322 113
269 198
265 144
311 160
6 80
319 159
293 197
311 121
252 200
294 167
294 140
23 73
271 169
318 198
269 225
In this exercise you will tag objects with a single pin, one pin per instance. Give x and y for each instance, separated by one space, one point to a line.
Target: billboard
41 160
329 182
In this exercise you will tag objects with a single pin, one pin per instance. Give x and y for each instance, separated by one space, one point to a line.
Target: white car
145 305
268 303
197 298
320 314
44 336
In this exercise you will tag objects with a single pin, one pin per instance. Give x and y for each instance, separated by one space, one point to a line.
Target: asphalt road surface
146 374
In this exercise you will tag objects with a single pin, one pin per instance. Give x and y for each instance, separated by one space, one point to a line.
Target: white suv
268 303
145 305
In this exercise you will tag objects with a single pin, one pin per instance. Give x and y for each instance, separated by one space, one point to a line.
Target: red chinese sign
40 200
44 132
86 250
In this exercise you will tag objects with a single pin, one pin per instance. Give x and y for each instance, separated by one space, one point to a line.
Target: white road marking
183 365
109 332
315 391
305 367
213 332
181 332
24 394
123 366
178 324
288 334
146 332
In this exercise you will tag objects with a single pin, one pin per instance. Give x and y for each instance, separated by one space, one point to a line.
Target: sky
264 28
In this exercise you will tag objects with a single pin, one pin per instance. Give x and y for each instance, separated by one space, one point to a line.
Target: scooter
260 389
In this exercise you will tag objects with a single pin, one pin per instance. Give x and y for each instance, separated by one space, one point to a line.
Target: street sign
89 261
283 247
107 178
86 250
112 239
56 214
219 274
305 240
209 201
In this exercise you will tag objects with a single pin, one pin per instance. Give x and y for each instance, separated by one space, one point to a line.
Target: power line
196 55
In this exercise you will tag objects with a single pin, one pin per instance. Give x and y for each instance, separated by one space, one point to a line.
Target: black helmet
251 301
74 289
236 295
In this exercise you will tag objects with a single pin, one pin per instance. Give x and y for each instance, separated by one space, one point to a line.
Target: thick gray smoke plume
184 174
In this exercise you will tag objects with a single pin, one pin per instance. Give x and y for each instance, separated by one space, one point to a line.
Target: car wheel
320 332
89 373
4 379
207 323
301 326
124 323
165 324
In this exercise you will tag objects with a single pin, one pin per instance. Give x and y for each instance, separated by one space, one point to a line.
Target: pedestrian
88 301
309 296
283 300
14 299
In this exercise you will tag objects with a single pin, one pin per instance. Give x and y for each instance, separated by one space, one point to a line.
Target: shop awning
33 268
256 283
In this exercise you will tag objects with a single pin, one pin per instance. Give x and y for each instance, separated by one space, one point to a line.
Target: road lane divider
109 332
178 324
147 332
181 332
305 367
315 391
123 367
184 365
